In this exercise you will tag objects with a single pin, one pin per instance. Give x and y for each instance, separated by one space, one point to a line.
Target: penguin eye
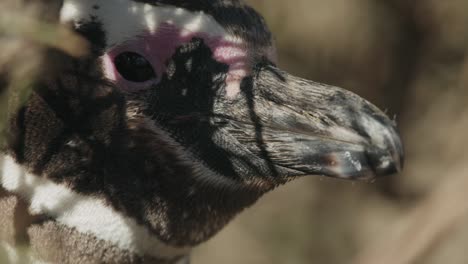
134 67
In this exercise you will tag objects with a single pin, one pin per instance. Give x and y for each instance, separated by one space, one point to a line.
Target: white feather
124 19
86 214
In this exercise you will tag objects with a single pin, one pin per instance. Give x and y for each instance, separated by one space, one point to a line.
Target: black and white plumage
178 121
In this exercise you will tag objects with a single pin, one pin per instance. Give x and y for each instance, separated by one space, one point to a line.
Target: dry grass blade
24 36
51 35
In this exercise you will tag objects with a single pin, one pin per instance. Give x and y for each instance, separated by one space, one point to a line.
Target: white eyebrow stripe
123 20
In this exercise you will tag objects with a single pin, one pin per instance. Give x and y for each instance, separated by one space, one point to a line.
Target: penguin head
212 123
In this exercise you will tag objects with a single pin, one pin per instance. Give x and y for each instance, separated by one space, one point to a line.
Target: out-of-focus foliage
408 57
27 29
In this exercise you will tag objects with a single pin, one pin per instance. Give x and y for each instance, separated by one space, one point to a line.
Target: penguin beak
306 128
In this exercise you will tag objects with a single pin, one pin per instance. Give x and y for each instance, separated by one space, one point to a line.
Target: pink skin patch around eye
160 46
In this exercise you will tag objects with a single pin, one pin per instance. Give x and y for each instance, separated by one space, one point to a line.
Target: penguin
177 120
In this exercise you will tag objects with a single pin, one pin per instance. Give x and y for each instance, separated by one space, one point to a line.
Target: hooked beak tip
385 162
381 155
389 158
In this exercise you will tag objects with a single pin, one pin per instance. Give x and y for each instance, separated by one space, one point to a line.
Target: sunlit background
409 58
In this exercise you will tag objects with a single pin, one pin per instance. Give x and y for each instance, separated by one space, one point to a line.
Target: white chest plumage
85 214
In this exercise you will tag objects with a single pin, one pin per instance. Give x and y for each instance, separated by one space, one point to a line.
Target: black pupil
134 67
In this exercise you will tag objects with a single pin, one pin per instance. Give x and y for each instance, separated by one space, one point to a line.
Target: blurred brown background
408 57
